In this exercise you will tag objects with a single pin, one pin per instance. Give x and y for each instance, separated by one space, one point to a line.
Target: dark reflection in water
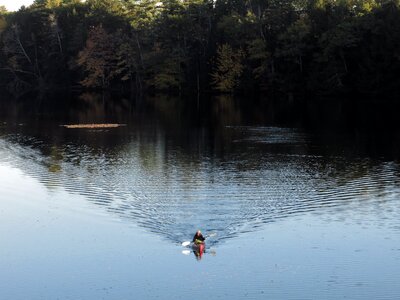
177 167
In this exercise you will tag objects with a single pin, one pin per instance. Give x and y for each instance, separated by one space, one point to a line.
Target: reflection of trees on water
149 180
202 124
226 111
56 156
170 171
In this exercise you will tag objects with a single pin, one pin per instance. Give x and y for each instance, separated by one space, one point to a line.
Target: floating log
93 126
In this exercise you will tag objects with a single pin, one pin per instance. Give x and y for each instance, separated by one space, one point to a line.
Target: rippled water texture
231 180
172 193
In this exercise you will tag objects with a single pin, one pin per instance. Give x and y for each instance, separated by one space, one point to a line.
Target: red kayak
199 248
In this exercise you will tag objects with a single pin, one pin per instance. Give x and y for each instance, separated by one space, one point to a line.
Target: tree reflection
170 172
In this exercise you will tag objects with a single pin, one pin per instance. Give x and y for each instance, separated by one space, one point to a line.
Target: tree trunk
59 42
140 50
301 63
21 46
343 60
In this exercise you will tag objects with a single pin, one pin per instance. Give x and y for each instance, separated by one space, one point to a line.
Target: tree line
226 46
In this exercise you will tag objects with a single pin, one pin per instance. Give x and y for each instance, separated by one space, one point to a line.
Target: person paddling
198 238
198 244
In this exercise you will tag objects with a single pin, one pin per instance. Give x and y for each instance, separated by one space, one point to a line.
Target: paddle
187 243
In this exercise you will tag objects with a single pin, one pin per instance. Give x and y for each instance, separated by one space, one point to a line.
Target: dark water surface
101 213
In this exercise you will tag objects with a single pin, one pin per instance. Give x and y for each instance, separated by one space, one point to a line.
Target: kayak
199 247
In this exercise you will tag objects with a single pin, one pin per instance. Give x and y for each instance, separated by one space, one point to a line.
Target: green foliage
3 24
169 75
3 10
259 57
294 42
97 58
318 46
229 67
126 57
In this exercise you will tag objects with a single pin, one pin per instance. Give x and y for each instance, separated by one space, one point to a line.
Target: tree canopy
226 46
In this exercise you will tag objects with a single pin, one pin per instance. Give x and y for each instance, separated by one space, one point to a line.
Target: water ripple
171 194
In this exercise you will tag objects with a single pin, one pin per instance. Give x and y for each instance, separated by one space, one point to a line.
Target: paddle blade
186 252
185 244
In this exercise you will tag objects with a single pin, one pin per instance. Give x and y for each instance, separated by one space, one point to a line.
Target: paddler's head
198 232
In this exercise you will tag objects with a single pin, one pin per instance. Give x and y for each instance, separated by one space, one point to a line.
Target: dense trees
317 46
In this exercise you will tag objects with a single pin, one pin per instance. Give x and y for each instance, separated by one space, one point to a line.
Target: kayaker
198 238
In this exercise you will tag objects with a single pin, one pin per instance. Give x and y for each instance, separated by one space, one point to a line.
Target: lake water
294 213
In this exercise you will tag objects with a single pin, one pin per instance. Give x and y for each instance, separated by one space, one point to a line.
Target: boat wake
172 195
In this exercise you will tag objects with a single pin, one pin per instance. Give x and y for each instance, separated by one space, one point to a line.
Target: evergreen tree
229 67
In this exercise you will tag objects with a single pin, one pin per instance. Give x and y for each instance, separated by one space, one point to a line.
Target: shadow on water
175 168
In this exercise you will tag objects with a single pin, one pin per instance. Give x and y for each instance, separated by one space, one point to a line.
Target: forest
305 47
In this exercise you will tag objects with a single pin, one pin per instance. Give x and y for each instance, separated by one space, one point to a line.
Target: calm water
102 213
